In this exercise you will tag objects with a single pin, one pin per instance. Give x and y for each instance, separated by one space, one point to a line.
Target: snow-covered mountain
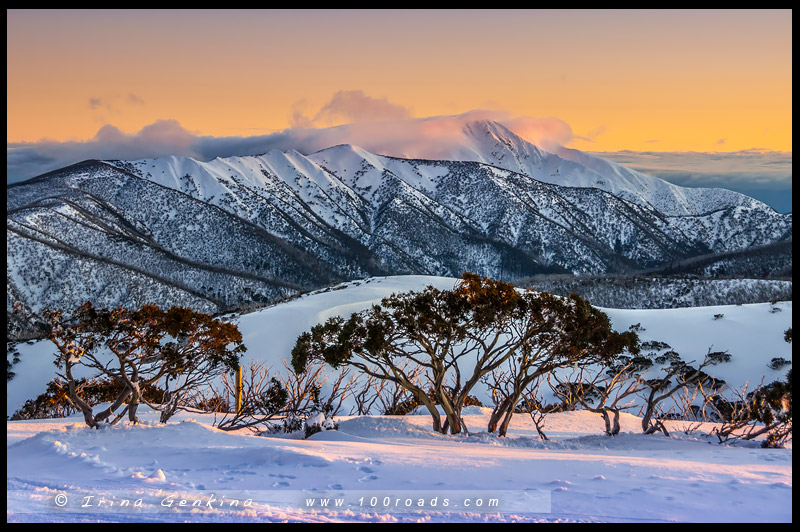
222 233
492 143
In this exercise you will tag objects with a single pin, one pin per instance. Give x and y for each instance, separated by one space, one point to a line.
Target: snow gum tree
178 348
556 332
679 375
449 340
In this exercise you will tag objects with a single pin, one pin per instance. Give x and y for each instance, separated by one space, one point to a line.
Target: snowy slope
551 209
492 143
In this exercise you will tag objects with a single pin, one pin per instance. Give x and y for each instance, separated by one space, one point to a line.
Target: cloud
105 102
164 137
346 107
593 134
544 132
764 175
753 165
438 137
382 127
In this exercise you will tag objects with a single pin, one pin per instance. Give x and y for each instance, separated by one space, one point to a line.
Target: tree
421 340
389 398
767 410
686 376
559 332
501 382
602 390
179 349
448 340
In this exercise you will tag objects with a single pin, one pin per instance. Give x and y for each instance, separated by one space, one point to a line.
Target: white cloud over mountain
382 127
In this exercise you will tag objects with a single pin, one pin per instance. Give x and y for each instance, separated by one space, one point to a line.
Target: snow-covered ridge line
491 143
257 228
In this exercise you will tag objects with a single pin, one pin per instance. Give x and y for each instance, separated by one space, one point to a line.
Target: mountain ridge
249 229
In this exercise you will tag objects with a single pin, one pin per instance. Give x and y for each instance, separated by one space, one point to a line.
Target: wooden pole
239 390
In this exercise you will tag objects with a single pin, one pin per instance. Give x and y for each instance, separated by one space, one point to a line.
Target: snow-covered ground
578 476
382 468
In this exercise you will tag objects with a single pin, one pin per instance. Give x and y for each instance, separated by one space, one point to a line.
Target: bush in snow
655 345
679 376
767 410
319 422
263 399
314 390
778 363
55 402
13 353
177 349
668 357
387 397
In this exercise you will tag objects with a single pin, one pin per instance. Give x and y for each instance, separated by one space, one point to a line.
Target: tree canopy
178 348
448 340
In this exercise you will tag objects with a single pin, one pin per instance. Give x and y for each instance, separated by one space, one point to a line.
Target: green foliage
170 340
668 357
775 401
765 410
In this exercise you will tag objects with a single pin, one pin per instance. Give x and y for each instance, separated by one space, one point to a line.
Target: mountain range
249 230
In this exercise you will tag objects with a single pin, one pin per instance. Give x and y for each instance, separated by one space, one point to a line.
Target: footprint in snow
365 469
281 475
368 478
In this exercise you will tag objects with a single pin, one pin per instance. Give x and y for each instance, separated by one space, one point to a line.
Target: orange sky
635 80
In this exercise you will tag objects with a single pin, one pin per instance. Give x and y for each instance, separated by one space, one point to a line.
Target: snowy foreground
382 468
393 468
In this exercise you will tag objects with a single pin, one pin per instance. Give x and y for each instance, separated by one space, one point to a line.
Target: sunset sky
666 81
